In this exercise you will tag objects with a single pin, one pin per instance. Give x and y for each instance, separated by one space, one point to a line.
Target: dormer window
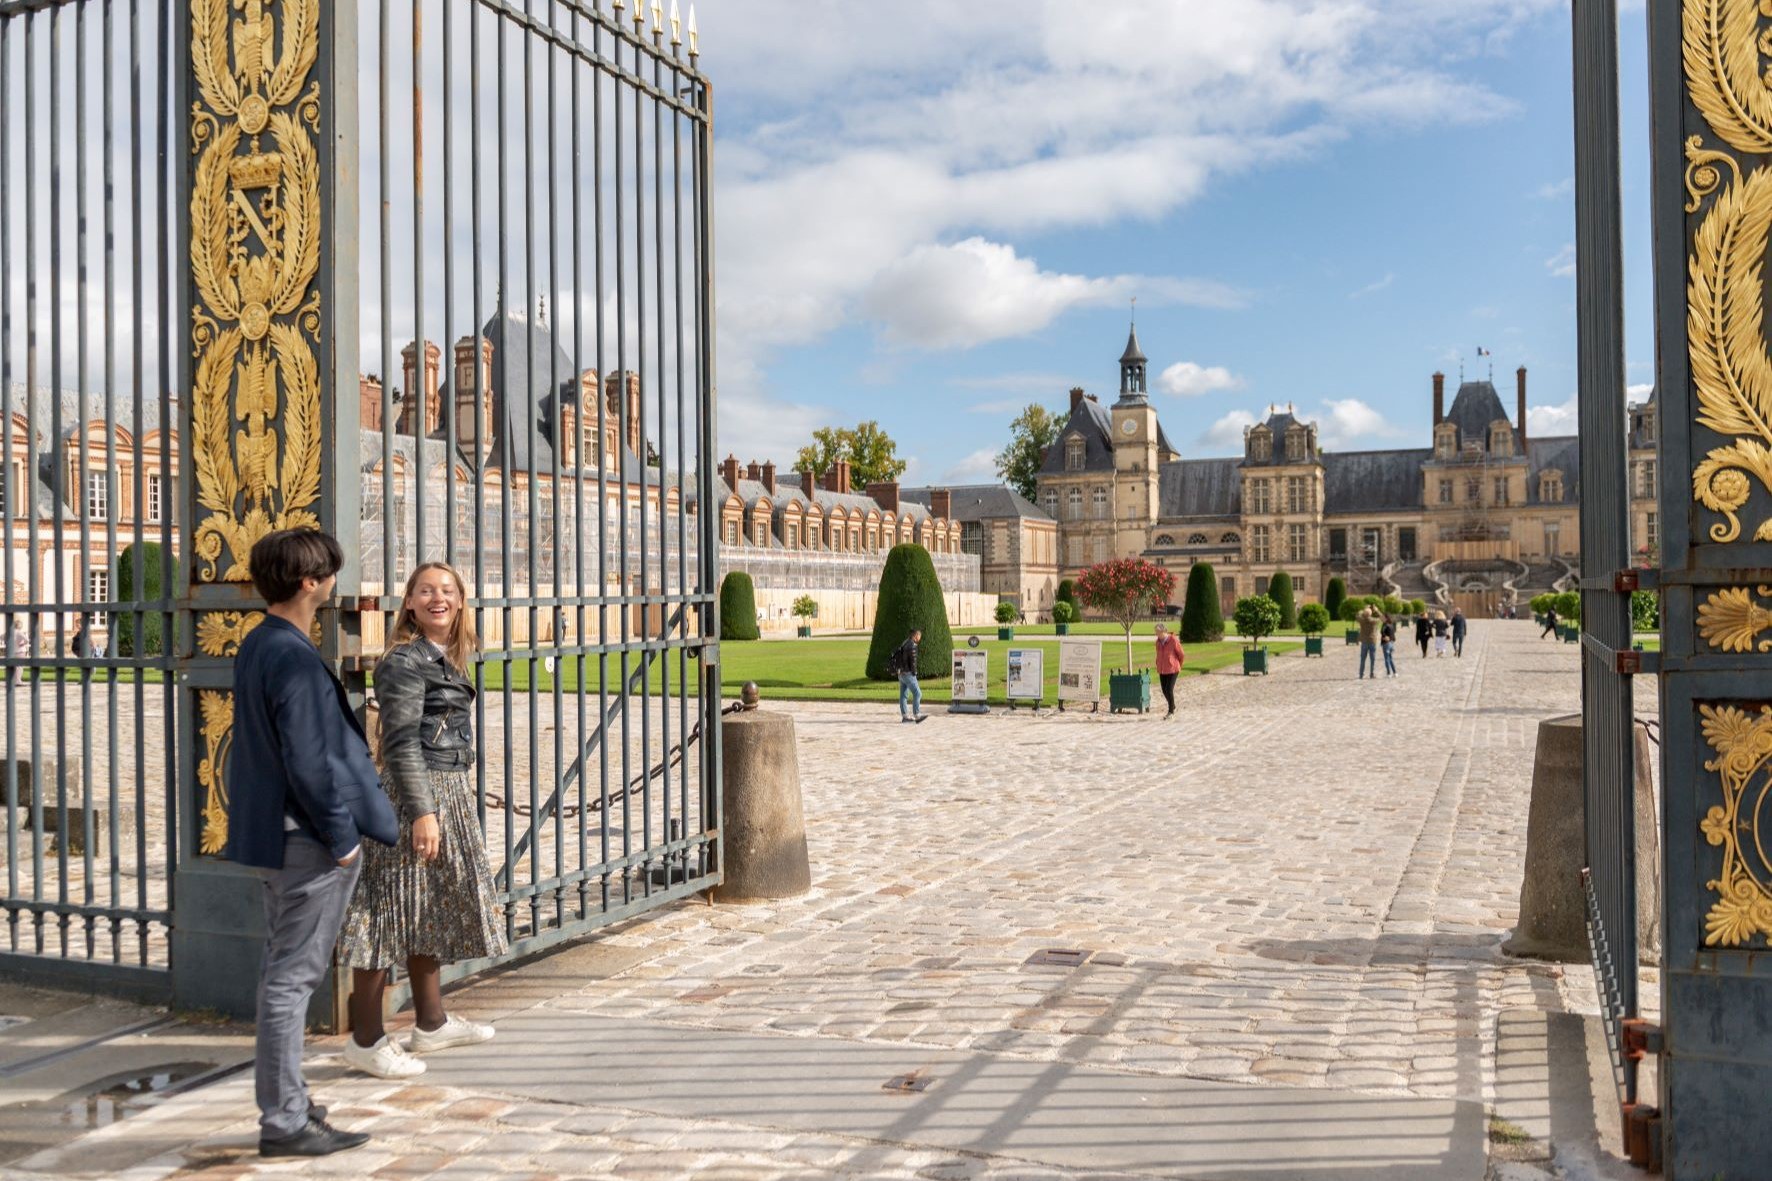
1261 444
1445 440
1295 444
1501 439
1074 452
1550 486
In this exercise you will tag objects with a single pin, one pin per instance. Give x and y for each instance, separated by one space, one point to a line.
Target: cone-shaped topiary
1280 591
1334 595
1202 621
138 579
738 607
1067 592
910 596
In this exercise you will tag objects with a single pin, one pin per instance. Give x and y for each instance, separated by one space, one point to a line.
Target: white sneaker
385 1059
455 1031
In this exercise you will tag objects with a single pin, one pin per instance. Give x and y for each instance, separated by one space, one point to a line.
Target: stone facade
1483 515
1015 542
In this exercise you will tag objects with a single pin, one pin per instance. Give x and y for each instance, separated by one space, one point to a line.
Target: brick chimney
941 503
769 477
473 396
369 390
754 472
1520 377
431 404
886 495
567 434
808 484
1076 397
837 478
729 472
1439 397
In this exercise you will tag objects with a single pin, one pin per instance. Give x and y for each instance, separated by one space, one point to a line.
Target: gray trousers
304 907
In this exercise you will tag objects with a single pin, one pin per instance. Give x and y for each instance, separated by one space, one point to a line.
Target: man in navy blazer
303 795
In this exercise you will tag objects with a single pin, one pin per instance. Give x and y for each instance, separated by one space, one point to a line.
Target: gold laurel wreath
1743 742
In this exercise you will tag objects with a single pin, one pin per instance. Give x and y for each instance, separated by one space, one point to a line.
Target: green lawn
831 669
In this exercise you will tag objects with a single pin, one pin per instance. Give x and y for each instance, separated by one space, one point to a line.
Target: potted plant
1350 613
1256 617
1006 613
1313 619
805 609
1568 607
1125 590
1064 613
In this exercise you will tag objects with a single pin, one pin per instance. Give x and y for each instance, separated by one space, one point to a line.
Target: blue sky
932 214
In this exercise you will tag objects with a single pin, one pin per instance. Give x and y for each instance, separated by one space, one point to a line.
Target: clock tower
1135 452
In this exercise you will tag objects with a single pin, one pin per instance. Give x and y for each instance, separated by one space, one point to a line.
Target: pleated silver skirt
445 908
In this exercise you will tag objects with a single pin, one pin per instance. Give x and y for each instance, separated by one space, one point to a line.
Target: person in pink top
1169 660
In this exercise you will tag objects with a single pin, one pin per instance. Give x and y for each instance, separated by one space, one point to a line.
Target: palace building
1483 515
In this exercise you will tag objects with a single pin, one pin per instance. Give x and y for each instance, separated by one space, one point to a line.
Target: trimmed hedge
123 623
910 596
1067 593
1313 619
1279 589
1334 595
738 607
1202 621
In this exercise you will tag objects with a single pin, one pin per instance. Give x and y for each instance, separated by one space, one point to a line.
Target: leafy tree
805 607
1279 589
1313 619
1125 590
1202 622
1350 610
1645 611
1391 605
872 455
1064 611
1033 431
1334 595
1417 607
910 597
1568 606
148 562
1006 611
1256 617
738 607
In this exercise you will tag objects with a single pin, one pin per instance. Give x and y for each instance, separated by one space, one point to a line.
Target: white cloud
1562 263
1375 286
1186 379
980 467
1639 392
1227 433
1347 422
1555 189
974 291
1551 420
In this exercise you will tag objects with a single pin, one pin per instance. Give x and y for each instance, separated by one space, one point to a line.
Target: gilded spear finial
676 26
657 21
694 37
639 15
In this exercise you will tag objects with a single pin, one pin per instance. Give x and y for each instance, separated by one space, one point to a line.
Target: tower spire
1133 382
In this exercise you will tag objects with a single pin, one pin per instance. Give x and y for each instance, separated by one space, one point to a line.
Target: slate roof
1199 488
41 413
1092 420
1373 481
979 502
1278 423
1562 452
1475 407
1133 352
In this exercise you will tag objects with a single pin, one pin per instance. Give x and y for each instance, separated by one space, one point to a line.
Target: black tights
1167 680
368 985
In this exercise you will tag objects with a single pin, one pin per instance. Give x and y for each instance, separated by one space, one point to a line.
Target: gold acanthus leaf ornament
255 254
216 736
1731 368
1731 620
219 632
1743 742
1725 57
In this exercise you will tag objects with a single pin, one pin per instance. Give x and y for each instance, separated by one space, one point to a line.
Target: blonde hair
464 642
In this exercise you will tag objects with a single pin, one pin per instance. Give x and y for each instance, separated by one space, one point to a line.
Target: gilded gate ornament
216 735
219 632
1743 742
255 254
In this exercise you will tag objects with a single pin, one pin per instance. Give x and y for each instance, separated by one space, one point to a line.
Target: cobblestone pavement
1302 881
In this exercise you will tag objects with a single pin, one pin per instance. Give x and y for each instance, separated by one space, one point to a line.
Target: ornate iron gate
87 493
1712 116
519 382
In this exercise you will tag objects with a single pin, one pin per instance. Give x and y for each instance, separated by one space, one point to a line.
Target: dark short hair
282 559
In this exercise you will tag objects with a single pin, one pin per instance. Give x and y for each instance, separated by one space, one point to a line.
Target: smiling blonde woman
429 900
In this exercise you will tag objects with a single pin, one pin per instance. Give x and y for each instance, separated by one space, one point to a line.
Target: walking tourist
1441 628
429 900
304 798
1459 627
904 663
1550 623
1169 661
1369 625
1387 639
81 644
18 642
1424 630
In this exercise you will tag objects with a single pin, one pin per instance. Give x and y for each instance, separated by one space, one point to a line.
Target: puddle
120 1096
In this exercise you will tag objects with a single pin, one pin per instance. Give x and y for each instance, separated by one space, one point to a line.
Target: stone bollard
765 838
1553 906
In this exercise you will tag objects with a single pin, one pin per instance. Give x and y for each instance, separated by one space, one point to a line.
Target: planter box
1353 635
1571 633
1254 661
1313 645
804 631
1129 691
1005 633
1063 629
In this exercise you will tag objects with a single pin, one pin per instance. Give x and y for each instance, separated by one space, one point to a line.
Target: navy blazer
298 750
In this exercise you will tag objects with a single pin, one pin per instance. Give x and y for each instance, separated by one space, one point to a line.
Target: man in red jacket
1169 661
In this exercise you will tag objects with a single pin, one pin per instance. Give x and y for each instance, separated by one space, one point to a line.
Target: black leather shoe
316 1111
318 1138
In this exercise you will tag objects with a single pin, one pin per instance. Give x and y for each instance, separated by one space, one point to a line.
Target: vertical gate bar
85 589
603 452
117 675
711 801
38 615
419 399
1605 526
640 450
478 389
447 344
658 381
390 540
58 452
682 628
9 491
531 500
170 92
556 608
579 535
504 467
139 376
621 411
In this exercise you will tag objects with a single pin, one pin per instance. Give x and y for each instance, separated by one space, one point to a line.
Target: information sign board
972 672
1027 674
1079 670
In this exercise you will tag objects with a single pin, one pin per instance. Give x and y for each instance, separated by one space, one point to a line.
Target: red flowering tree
1125 590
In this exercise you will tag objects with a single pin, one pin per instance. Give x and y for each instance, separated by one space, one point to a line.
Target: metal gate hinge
1624 581
1641 1037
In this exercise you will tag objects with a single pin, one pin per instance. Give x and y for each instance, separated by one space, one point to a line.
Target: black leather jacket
427 722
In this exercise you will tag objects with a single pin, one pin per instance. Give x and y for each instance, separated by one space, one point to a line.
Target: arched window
1164 539
1074 451
1230 538
1196 539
